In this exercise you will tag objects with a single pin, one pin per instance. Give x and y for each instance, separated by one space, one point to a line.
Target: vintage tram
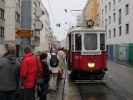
87 57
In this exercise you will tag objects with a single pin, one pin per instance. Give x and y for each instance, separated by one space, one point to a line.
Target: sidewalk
122 63
70 91
56 95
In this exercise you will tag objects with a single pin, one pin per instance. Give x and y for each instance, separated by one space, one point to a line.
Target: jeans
29 94
7 95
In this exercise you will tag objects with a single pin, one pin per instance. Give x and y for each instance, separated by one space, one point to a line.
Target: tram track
104 90
107 89
98 92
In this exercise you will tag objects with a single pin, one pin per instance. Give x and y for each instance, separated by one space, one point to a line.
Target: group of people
29 73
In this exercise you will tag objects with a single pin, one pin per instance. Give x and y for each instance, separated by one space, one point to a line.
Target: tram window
72 42
90 41
78 43
102 41
69 41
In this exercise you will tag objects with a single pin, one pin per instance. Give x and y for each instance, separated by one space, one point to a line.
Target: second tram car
87 57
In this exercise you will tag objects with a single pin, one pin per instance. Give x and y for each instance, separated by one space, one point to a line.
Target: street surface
117 85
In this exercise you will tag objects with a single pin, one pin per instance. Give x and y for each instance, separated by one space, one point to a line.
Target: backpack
54 61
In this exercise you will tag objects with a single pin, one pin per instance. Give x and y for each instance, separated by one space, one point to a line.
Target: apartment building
36 22
46 31
10 11
2 25
116 18
12 19
2 20
30 15
81 20
29 32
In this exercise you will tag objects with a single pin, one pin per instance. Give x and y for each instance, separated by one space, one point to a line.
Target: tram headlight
91 65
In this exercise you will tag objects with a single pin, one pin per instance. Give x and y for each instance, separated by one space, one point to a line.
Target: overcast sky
58 15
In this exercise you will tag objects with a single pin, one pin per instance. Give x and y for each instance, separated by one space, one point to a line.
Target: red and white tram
87 57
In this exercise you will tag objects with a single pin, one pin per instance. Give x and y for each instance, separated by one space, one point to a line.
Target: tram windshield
90 41
78 42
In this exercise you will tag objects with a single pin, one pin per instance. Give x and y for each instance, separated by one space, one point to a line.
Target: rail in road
105 90
94 90
98 91
110 88
91 90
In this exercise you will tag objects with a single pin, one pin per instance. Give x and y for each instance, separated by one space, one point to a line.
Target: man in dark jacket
45 77
28 74
8 74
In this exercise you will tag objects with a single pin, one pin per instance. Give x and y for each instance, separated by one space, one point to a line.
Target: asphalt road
106 90
117 85
97 91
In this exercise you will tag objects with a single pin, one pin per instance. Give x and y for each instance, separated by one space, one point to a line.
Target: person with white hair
62 57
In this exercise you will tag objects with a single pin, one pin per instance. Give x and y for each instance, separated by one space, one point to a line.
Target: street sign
24 33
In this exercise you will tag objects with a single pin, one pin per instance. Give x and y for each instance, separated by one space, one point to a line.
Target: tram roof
94 29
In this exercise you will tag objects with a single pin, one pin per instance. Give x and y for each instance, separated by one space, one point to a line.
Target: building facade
116 17
10 11
37 25
81 20
29 32
30 15
44 33
51 40
12 19
2 20
2 25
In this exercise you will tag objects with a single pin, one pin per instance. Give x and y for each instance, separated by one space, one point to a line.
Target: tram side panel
81 70
80 62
